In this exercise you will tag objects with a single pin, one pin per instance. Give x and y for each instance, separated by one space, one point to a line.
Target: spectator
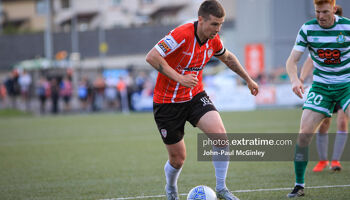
123 91
43 92
55 95
25 80
66 91
84 93
111 92
98 92
13 88
3 95
131 88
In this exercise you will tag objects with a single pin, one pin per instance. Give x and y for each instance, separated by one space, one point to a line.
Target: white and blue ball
201 192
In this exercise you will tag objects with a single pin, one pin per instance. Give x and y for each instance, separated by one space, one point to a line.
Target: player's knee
177 162
342 125
323 128
216 129
304 139
305 130
220 129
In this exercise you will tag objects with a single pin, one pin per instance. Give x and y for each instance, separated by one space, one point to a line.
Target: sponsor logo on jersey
330 56
170 41
164 132
193 69
340 38
165 48
206 101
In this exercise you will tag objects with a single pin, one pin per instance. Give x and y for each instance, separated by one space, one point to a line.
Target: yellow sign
103 47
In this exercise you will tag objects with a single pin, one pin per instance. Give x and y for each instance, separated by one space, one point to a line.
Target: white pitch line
236 191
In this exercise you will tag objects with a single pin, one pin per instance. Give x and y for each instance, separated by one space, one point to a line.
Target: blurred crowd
104 91
60 95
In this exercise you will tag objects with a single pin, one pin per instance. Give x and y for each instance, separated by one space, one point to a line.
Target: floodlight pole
1 17
101 38
48 32
74 30
75 62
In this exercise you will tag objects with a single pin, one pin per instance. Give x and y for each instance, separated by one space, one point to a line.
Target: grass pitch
105 156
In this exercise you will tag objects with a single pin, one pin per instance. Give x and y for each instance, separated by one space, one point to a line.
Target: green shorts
322 98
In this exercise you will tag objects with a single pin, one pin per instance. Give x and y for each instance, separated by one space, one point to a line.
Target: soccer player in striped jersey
328 38
180 58
322 133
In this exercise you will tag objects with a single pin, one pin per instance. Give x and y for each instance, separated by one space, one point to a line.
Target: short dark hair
211 7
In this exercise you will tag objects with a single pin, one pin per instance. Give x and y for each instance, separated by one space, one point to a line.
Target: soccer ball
201 192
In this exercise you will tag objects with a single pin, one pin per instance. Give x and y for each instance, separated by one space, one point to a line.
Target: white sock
322 145
300 184
221 166
171 175
339 145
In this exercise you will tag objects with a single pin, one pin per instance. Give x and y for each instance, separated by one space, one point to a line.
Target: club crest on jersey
210 52
340 38
164 132
179 68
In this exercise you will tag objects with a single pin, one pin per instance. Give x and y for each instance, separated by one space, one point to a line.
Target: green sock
300 167
300 163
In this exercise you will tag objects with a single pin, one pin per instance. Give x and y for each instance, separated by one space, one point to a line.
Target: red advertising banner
254 59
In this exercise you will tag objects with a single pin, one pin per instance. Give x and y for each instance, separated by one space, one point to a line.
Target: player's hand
298 88
189 80
253 87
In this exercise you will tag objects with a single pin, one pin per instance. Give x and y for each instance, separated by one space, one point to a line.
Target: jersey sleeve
219 46
301 41
170 42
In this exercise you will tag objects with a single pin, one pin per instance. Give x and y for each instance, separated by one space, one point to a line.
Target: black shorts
337 107
171 117
66 99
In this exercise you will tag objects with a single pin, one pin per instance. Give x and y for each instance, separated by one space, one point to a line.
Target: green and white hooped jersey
329 50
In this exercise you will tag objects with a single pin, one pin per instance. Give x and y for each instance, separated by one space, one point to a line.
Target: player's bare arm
306 69
232 62
292 70
159 63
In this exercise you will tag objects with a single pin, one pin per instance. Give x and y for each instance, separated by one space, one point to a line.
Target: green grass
5 113
111 155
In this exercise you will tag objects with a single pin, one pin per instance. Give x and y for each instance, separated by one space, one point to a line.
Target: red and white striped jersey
184 52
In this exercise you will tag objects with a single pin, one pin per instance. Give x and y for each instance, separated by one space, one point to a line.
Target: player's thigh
204 115
310 120
325 124
347 112
211 122
345 100
342 121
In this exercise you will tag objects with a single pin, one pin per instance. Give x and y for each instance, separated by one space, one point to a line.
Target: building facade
129 29
22 15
